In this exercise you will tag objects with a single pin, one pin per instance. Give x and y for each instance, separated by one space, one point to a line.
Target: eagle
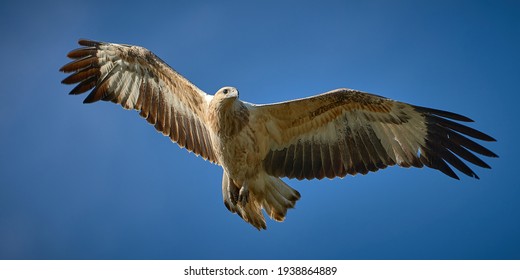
333 134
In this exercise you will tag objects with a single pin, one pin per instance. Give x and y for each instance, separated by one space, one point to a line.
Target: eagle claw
243 195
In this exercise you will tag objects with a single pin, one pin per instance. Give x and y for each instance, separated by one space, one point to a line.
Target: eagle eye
225 91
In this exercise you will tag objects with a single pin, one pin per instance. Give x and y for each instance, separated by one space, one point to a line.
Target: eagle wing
347 132
137 79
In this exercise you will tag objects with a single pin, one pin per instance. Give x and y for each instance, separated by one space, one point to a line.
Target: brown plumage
330 135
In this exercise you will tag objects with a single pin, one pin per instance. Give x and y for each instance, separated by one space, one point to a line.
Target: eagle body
241 147
329 135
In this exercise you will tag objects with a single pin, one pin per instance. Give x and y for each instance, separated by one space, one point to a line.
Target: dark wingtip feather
65 68
81 76
442 113
88 43
92 97
461 128
448 142
82 52
84 86
465 154
461 140
450 173
433 159
89 100
79 64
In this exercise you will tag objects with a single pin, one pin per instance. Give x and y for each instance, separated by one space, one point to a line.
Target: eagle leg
230 192
243 195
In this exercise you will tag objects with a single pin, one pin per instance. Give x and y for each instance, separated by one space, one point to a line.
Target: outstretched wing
137 79
347 132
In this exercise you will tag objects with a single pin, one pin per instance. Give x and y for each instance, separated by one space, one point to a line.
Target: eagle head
229 113
227 93
224 99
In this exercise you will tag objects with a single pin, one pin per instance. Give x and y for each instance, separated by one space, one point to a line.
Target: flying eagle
333 134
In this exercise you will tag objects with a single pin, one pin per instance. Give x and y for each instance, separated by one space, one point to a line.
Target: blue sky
97 182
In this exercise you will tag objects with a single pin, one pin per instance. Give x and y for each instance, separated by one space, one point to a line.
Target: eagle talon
243 196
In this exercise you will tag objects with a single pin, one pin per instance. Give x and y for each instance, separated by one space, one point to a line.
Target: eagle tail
278 197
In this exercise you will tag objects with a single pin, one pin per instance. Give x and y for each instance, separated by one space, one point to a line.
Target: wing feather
340 158
137 79
348 132
317 161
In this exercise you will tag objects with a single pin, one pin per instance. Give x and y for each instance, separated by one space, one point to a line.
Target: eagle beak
233 94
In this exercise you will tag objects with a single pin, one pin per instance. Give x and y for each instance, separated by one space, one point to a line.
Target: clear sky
97 182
